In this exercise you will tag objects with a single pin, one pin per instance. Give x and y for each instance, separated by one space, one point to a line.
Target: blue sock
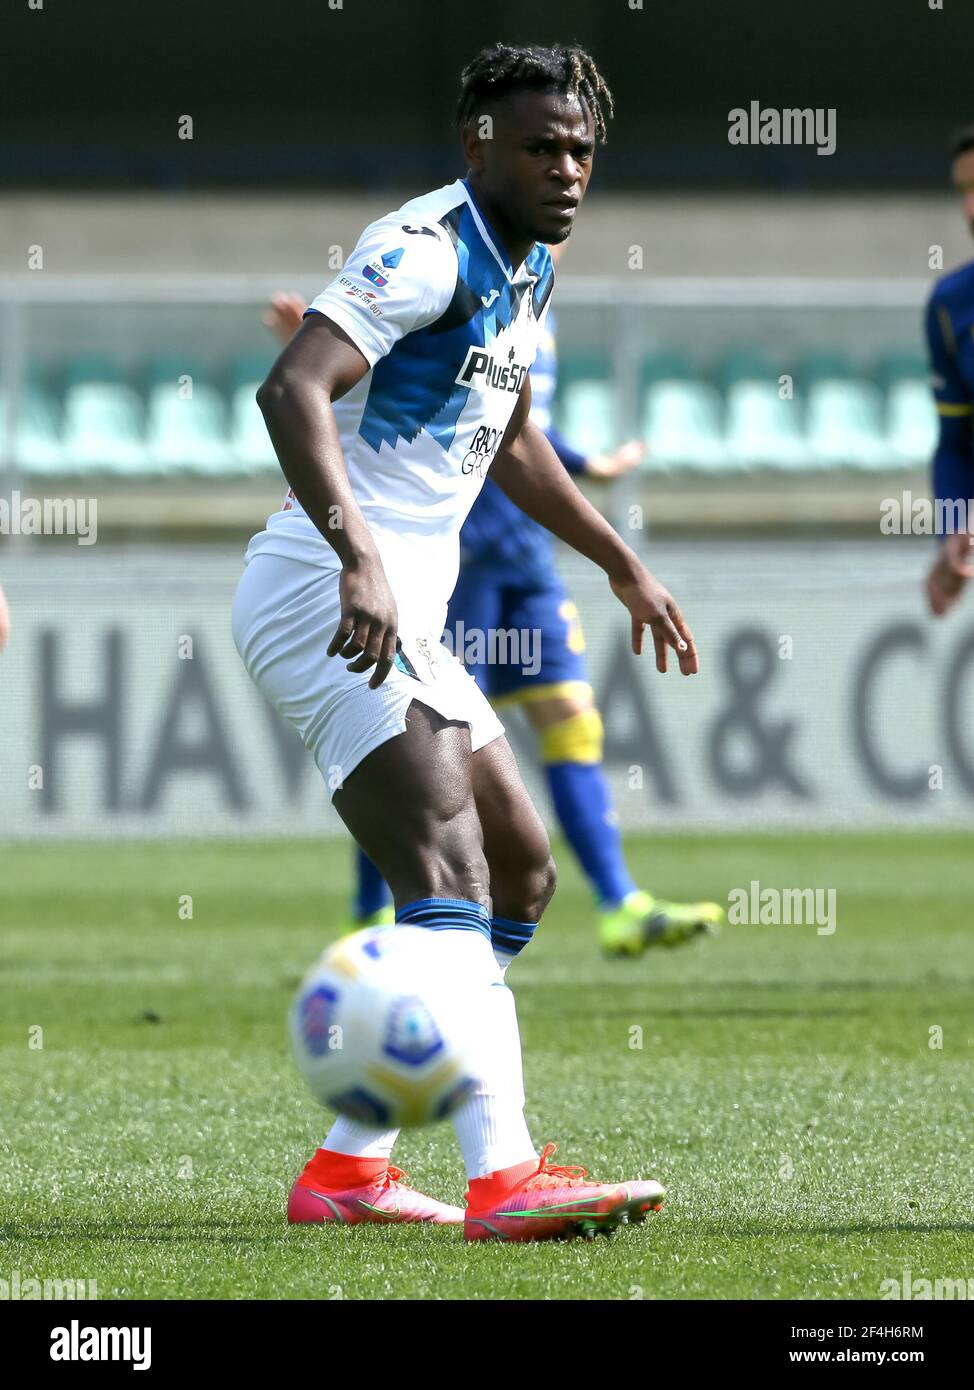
445 914
509 938
584 810
371 892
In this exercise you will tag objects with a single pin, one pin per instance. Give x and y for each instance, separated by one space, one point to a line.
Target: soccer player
408 377
509 583
950 320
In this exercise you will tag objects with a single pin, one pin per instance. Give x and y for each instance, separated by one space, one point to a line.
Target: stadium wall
128 712
761 235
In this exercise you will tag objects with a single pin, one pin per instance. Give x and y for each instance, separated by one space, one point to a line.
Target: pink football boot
335 1187
550 1201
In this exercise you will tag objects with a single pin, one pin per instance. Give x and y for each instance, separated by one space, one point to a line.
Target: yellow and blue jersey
950 340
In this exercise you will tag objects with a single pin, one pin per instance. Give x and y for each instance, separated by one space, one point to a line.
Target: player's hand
650 605
615 465
949 573
4 621
284 315
369 624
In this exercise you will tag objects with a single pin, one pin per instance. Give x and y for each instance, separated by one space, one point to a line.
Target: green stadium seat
844 424
185 431
102 429
250 444
682 426
763 430
588 415
37 443
911 422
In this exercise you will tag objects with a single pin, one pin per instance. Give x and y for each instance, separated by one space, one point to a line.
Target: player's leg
403 778
372 901
473 609
525 1200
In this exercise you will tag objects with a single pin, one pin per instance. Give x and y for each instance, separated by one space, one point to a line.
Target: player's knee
578 738
547 882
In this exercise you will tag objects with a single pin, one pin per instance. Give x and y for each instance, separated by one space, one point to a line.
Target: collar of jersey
486 231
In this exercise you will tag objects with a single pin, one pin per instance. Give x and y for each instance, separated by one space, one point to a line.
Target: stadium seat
37 445
911 422
844 424
762 429
844 415
102 428
251 450
911 416
185 431
681 425
588 415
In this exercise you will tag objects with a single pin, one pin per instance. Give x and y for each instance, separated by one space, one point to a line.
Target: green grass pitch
812 1140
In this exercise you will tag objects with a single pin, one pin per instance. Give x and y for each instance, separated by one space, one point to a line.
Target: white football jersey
449 328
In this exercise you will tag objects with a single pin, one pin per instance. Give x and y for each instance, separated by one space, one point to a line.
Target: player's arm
604 467
318 366
952 469
529 471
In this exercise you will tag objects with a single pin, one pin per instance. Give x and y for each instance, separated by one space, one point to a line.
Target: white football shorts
285 613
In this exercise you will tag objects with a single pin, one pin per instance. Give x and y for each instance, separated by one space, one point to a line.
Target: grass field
813 1142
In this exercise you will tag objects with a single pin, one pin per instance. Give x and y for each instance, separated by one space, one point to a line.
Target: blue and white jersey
449 328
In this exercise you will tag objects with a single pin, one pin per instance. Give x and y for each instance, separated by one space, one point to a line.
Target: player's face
537 165
962 173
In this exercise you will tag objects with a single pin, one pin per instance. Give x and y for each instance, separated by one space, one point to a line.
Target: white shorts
285 613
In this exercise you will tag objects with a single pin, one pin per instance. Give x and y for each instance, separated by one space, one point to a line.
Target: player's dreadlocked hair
503 68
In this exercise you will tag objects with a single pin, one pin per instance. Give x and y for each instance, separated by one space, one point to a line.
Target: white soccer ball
384 1028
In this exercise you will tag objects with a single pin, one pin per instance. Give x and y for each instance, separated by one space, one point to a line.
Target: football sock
490 1125
371 890
346 1137
464 930
509 939
340 1171
359 1141
585 813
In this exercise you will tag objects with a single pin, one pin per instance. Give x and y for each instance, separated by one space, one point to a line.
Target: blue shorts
520 640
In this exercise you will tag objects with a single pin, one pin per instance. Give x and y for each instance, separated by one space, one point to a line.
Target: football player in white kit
406 382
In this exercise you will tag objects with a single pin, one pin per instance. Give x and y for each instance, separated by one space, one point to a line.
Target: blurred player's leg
372 905
559 703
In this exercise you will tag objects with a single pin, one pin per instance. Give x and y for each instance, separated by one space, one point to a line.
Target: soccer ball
383 1031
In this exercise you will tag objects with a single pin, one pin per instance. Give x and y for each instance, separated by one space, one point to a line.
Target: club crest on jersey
481 369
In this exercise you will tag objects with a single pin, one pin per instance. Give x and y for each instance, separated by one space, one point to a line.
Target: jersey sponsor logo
481 369
482 449
366 297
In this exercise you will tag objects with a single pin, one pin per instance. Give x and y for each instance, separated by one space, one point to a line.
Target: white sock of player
359 1141
490 1125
